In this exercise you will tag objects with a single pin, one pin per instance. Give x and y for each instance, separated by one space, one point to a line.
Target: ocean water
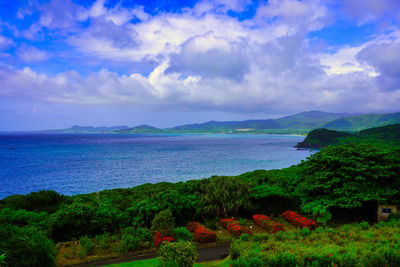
83 163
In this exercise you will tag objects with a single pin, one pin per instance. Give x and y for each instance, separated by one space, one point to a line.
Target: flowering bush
298 220
201 233
234 227
268 224
159 238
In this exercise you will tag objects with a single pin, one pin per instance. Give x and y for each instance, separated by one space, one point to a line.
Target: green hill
298 123
361 122
318 138
142 129
88 129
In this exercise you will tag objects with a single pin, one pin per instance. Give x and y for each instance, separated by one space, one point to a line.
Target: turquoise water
73 164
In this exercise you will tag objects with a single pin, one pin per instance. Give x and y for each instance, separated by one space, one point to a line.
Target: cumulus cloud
205 59
385 58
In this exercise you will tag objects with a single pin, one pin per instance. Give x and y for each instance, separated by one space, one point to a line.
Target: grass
154 262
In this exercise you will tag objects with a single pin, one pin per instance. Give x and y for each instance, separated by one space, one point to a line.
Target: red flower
298 220
201 233
159 238
234 227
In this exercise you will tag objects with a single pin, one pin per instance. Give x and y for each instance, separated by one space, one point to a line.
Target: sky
167 63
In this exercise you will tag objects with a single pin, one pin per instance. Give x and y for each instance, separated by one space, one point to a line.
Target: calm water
72 164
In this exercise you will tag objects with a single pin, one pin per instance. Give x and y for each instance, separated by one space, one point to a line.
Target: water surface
83 163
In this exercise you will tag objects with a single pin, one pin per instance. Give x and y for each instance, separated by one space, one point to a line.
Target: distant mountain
142 129
309 119
389 134
361 122
302 122
88 129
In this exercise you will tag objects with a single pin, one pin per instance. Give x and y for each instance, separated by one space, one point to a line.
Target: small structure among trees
384 211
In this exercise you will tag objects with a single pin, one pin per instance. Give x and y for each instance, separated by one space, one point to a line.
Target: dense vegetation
318 138
350 179
349 245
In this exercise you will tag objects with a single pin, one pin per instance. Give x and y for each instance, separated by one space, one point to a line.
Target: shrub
159 239
363 225
132 242
305 231
268 224
234 227
103 241
86 244
183 234
26 246
394 217
143 234
298 220
201 233
182 253
163 222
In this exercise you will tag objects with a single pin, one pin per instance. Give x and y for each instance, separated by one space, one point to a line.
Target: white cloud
31 54
205 59
5 42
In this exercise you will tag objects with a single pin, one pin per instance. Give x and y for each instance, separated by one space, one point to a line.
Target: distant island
300 123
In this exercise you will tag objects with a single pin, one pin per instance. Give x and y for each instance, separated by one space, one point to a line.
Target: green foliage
182 253
43 200
103 241
163 222
86 246
363 225
24 218
144 234
225 195
346 246
3 259
182 234
347 176
305 231
394 217
26 246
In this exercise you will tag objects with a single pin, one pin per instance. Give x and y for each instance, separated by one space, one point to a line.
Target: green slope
142 129
318 138
361 122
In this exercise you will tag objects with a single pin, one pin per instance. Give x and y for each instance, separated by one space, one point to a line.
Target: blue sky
99 62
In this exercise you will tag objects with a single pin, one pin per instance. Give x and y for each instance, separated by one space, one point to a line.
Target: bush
163 222
363 225
183 234
182 253
144 235
201 233
26 246
234 227
394 217
159 238
86 244
103 241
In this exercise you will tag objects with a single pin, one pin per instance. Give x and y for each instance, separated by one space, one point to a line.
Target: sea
82 163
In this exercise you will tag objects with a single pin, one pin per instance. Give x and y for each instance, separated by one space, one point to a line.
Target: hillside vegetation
389 135
336 185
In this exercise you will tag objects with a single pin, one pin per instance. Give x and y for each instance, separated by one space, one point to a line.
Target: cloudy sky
165 63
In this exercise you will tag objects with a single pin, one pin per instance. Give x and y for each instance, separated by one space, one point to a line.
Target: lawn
154 262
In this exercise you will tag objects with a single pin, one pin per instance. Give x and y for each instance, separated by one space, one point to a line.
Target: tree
26 246
348 176
182 253
163 222
226 195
